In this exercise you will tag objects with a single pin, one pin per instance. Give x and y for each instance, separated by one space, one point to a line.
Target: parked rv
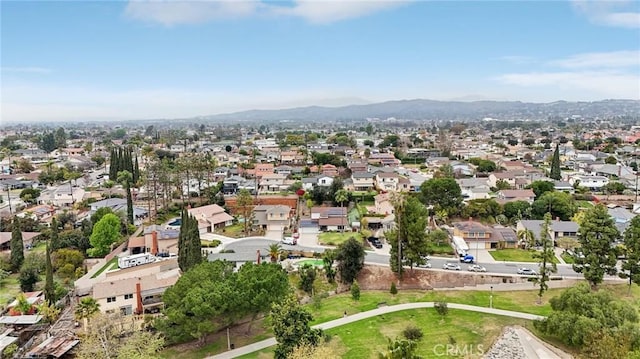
136 260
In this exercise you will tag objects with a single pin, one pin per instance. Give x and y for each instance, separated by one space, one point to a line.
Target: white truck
136 260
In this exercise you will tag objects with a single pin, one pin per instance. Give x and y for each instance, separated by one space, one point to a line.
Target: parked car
451 266
477 268
467 258
526 271
289 240
375 242
425 265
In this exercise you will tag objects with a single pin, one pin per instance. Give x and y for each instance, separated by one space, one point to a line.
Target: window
281 214
111 299
128 296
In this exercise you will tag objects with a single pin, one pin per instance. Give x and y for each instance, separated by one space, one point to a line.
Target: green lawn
568 258
209 244
443 248
366 338
112 264
9 289
336 238
362 207
515 255
584 204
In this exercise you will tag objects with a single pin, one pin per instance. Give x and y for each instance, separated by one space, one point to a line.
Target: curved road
372 313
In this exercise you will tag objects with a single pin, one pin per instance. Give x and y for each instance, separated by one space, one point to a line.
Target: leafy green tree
17 245
541 187
555 172
258 287
579 312
355 290
408 239
393 290
85 309
328 257
559 204
350 258
442 193
49 285
307 274
614 187
611 160
517 210
105 233
597 233
28 278
483 209
30 195
291 326
141 345
201 302
631 263
66 262
483 166
244 203
545 258
502 184
47 142
189 245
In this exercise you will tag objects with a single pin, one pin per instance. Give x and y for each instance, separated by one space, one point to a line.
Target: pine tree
49 287
189 247
136 171
555 172
545 257
129 204
17 246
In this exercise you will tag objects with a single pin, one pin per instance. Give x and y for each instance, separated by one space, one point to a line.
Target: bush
393 289
355 290
412 332
441 308
10 350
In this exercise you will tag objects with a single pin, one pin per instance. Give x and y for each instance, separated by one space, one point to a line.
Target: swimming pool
175 222
313 262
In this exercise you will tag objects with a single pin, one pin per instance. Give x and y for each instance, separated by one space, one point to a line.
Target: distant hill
440 110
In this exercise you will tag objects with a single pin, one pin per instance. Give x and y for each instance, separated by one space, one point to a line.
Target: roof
21 319
362 174
333 221
6 340
27 237
517 193
206 211
505 234
53 346
471 226
535 226
220 218
114 287
136 242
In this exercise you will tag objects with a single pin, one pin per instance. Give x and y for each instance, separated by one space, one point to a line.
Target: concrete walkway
372 313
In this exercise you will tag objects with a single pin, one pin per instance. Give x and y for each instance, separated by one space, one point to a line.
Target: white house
596 182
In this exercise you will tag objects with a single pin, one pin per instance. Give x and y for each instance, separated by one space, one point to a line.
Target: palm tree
527 237
274 252
108 184
341 196
86 309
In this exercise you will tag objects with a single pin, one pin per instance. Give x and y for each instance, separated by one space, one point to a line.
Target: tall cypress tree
17 246
182 247
555 172
136 171
129 203
189 247
49 287
195 247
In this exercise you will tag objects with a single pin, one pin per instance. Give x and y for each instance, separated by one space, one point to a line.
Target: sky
115 60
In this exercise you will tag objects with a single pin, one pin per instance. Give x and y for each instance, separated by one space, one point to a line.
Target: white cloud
177 12
606 84
30 70
615 59
621 13
322 12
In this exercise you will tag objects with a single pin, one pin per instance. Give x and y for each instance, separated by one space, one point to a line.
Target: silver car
451 266
526 271
477 268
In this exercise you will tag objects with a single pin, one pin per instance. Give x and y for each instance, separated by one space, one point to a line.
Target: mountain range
420 109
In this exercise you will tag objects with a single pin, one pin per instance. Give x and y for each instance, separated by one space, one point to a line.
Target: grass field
515 255
9 289
567 258
443 248
336 238
366 338
584 204
112 264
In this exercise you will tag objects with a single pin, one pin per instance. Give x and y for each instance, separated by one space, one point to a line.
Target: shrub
355 290
393 289
412 332
441 308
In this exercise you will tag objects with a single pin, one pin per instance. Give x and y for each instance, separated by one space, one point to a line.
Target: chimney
138 299
258 256
154 243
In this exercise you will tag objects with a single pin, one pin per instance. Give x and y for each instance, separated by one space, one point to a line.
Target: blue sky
166 59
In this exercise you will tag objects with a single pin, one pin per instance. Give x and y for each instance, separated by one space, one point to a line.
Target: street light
491 298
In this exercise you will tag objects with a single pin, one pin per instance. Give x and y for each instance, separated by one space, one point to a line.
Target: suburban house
273 183
291 158
156 240
357 166
478 236
515 179
558 229
135 290
389 181
62 195
262 169
383 204
383 159
474 188
330 218
27 239
510 195
120 205
362 181
329 170
211 217
233 184
272 217
593 182
621 216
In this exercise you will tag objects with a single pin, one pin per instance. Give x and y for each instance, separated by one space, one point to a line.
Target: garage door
475 245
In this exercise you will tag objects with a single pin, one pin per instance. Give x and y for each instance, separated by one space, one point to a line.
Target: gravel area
508 346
